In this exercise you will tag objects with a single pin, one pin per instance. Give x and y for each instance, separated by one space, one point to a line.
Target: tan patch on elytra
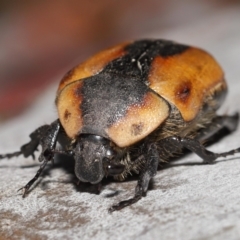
186 80
68 105
139 121
93 65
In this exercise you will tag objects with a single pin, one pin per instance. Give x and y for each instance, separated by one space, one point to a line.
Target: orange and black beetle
132 106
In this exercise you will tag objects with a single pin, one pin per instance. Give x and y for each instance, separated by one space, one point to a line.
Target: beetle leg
172 143
147 173
30 183
48 143
30 147
219 123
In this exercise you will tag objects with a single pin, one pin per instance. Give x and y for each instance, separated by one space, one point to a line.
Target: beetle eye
111 168
110 154
115 169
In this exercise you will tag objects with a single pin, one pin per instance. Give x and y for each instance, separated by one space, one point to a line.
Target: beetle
131 107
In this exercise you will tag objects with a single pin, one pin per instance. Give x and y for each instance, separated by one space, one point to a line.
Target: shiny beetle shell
135 87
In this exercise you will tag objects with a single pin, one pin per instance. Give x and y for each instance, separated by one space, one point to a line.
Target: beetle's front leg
48 143
29 148
151 158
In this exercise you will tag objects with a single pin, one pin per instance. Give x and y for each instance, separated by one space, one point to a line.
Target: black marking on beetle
139 55
137 129
107 98
67 115
184 92
122 83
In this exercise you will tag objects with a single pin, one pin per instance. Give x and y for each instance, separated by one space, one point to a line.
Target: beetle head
95 158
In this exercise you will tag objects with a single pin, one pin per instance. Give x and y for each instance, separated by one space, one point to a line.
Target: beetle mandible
132 106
